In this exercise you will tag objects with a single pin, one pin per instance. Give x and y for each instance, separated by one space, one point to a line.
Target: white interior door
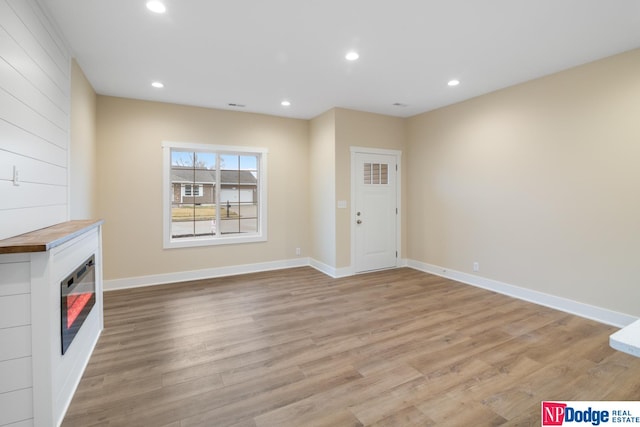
375 212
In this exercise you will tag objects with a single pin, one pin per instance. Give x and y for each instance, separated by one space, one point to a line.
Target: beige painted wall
82 163
361 129
322 221
129 135
539 183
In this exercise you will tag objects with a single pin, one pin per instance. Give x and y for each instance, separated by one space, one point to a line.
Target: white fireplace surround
38 382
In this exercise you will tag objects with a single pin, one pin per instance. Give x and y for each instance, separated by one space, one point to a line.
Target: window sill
195 242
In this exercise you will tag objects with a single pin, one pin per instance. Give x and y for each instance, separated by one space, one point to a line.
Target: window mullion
217 195
193 199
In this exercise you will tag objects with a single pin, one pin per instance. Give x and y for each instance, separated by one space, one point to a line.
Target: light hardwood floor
296 348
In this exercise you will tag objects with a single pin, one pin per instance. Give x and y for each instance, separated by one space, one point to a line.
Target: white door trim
398 157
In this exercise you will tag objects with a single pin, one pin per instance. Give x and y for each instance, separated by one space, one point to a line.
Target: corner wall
322 190
361 129
538 183
82 164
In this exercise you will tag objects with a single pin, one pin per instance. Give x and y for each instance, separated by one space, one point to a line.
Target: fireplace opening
77 298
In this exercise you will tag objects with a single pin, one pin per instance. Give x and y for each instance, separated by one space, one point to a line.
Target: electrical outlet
298 251
476 266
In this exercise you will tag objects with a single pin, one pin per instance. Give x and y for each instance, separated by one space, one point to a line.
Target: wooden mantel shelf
47 238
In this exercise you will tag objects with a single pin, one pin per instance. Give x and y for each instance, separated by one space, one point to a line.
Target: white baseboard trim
208 273
598 314
333 272
337 273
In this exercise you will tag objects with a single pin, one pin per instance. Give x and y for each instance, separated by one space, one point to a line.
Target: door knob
359 222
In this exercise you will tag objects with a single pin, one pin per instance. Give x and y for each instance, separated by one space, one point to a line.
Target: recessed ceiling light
157 85
454 82
156 6
285 103
352 56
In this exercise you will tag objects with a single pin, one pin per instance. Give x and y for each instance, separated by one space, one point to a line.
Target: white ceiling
258 52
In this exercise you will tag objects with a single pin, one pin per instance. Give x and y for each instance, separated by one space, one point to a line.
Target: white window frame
167 196
197 187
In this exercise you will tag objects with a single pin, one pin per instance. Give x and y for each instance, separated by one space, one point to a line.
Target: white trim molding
208 273
598 314
587 311
333 272
627 339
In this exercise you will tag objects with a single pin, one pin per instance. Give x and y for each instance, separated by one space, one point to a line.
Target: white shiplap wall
34 138
34 119
16 384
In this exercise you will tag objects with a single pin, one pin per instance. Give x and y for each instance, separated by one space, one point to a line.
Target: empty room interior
317 213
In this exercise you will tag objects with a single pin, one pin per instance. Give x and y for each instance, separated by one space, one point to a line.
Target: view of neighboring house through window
213 194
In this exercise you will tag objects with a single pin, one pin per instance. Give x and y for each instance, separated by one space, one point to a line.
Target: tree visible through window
214 195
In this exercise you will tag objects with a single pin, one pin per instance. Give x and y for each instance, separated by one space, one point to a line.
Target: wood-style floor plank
296 348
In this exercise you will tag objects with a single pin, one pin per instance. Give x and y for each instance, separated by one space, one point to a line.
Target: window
376 173
213 194
191 190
